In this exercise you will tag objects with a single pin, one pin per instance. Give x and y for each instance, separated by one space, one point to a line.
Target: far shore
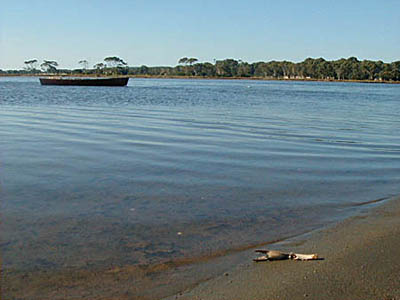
203 78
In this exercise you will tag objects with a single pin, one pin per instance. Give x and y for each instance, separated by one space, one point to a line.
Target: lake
166 169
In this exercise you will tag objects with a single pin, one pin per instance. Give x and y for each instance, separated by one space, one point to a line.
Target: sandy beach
359 262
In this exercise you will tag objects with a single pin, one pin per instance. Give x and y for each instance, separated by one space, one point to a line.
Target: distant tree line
317 69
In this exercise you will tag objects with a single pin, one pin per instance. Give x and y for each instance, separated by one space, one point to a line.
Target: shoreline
233 275
210 78
358 261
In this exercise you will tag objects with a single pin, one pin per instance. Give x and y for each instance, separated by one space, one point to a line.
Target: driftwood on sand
278 255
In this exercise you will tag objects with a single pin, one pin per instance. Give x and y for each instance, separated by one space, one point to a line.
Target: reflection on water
165 169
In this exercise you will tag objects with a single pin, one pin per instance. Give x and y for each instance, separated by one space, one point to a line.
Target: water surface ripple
165 169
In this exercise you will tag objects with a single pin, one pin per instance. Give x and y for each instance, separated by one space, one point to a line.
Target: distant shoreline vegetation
350 69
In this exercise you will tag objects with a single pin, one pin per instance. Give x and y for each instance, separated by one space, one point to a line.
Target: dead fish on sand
278 255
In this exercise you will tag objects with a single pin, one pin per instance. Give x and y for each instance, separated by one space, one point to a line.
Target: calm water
165 169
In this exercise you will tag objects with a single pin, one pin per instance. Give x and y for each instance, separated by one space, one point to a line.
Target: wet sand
360 261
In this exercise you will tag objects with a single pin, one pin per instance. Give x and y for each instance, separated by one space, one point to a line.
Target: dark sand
361 261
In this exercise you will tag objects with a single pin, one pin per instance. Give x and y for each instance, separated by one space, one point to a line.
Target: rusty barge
103 81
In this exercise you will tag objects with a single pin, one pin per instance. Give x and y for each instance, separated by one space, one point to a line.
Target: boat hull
117 81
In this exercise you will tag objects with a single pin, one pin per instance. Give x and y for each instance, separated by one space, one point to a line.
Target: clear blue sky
159 32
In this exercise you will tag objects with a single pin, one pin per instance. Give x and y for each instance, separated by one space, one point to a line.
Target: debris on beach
278 255
297 256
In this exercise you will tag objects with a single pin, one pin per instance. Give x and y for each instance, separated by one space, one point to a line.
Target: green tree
115 64
49 66
99 68
84 63
245 69
114 61
192 60
205 69
143 70
287 69
262 69
183 60
227 67
371 69
396 70
30 65
340 68
276 68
